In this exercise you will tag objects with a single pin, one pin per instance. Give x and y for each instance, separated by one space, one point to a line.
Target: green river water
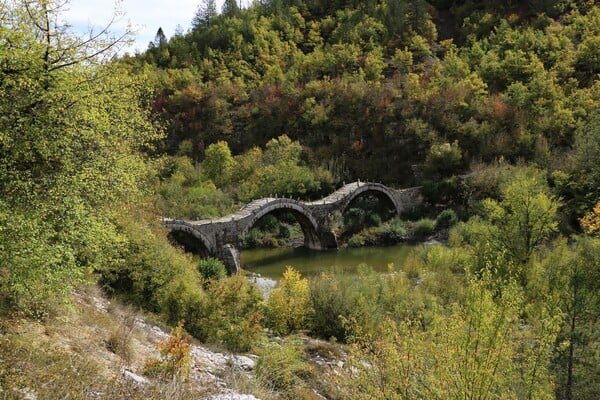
271 263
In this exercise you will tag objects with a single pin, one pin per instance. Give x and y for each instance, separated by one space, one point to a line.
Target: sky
146 16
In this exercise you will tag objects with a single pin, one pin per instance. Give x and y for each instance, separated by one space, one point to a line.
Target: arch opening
189 243
366 209
281 226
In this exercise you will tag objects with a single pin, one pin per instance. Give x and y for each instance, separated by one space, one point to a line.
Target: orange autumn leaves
590 222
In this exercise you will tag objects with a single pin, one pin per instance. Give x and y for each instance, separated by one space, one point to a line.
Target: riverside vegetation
492 107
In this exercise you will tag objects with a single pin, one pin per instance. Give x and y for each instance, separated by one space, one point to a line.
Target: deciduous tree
72 127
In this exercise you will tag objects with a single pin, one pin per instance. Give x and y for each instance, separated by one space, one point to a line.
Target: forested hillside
388 90
492 107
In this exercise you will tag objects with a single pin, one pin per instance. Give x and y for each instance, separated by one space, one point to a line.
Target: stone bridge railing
221 237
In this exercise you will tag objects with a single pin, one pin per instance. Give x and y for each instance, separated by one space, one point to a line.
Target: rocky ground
97 348
210 367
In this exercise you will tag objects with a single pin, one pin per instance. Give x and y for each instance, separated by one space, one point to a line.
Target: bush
253 238
393 231
445 191
357 240
443 159
181 299
175 361
152 274
372 218
446 219
268 223
288 308
329 300
458 353
285 231
282 366
212 268
342 302
423 227
231 314
354 218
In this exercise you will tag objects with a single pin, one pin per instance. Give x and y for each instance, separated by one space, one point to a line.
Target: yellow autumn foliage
289 308
590 222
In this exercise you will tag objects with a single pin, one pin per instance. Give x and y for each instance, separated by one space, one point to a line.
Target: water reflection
271 263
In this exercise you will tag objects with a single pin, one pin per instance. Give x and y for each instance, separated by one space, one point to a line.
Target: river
271 263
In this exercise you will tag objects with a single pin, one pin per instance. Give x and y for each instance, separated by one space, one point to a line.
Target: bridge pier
230 256
327 240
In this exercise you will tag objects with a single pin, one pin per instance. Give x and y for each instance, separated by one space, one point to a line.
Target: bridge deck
255 205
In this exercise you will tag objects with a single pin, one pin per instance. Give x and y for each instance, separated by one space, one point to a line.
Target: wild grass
80 354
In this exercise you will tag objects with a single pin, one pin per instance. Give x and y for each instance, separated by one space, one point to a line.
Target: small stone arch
379 190
308 224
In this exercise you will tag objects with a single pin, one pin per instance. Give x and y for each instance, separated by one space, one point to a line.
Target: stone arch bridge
222 237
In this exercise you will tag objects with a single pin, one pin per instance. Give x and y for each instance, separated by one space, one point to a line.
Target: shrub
268 223
328 299
285 231
181 299
423 227
253 238
590 222
357 240
212 268
354 218
458 353
175 353
372 218
151 273
443 159
282 366
446 219
445 191
231 314
393 231
342 302
288 308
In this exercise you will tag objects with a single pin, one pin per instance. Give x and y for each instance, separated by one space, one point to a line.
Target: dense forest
493 108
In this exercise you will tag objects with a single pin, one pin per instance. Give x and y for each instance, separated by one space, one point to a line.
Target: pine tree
230 8
205 12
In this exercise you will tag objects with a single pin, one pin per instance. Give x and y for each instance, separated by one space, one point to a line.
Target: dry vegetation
95 349
99 348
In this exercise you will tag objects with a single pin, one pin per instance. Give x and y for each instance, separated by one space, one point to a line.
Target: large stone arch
184 234
308 224
377 189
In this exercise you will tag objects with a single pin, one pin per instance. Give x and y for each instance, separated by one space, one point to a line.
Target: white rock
244 362
265 285
232 396
137 379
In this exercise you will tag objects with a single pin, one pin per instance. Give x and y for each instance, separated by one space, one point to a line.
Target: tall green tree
218 165
574 281
206 11
515 226
524 217
71 132
159 49
230 8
